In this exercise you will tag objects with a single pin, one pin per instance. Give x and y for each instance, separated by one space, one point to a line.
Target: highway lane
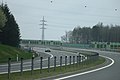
15 67
110 73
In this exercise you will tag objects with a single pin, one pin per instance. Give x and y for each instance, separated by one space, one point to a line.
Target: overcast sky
61 15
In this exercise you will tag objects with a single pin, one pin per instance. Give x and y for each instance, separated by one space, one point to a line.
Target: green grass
69 68
11 52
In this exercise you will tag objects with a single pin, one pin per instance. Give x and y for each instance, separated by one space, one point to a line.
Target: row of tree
9 30
98 33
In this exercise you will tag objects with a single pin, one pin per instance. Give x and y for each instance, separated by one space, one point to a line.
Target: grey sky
61 15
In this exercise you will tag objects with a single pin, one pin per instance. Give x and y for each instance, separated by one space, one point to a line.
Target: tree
81 35
67 38
97 32
76 34
10 32
2 19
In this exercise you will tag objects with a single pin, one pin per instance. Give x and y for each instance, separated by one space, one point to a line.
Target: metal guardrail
63 61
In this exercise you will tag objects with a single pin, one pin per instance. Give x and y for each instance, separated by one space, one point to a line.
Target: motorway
110 73
15 67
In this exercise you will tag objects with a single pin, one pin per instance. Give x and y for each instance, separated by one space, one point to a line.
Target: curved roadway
15 67
110 73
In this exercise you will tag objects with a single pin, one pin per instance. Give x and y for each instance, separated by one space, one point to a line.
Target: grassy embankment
11 52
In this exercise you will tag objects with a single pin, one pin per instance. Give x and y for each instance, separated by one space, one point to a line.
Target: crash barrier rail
56 61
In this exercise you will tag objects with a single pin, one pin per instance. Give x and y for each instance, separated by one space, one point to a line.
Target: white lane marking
89 71
50 55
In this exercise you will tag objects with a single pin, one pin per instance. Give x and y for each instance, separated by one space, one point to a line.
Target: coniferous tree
2 22
10 34
2 19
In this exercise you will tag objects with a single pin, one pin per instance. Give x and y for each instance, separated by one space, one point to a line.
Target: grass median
58 71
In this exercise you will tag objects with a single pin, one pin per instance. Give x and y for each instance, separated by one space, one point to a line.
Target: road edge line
94 70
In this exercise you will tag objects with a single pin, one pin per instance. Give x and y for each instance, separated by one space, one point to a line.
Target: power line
43 27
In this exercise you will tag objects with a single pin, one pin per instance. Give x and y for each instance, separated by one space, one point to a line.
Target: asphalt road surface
15 67
109 73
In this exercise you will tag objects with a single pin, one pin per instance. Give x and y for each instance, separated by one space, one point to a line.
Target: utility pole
43 27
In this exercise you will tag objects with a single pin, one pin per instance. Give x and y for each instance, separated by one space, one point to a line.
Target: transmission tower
43 27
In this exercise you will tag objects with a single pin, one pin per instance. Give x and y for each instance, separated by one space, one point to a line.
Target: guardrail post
54 63
60 62
82 60
21 66
32 65
97 56
65 61
79 59
48 64
85 61
70 61
9 67
73 60
41 64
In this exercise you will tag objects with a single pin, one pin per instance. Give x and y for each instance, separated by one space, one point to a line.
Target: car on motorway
47 50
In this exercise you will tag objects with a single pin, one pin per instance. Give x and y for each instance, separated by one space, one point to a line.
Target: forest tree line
97 33
9 30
